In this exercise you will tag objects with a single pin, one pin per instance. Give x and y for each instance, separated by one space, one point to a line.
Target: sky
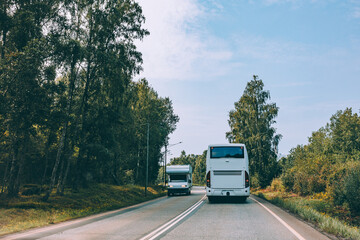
202 53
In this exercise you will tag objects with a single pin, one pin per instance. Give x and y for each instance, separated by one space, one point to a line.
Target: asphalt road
183 217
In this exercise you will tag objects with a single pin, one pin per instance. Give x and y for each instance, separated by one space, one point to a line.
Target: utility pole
147 158
165 165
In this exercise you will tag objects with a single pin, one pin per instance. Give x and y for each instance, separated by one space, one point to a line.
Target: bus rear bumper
223 192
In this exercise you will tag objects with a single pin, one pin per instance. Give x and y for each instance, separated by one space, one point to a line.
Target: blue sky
201 54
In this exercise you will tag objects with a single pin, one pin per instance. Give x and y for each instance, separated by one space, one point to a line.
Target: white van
227 171
179 179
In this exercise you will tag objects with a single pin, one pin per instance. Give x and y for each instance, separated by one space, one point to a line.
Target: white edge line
174 221
281 221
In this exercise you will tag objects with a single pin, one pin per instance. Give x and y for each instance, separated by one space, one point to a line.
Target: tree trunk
64 131
21 166
5 178
11 182
63 182
57 162
82 161
47 153
60 178
4 30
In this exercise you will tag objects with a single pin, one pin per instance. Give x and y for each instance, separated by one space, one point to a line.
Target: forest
71 112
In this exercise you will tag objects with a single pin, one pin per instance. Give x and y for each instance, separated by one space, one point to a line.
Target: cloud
179 48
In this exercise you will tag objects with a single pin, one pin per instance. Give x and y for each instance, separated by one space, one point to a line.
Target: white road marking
280 220
157 232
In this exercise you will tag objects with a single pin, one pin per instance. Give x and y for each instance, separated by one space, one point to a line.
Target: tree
330 156
25 76
345 131
69 107
184 159
200 169
148 107
251 123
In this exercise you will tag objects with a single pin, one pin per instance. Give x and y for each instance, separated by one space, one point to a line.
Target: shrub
287 179
343 177
316 184
301 184
254 181
277 185
352 190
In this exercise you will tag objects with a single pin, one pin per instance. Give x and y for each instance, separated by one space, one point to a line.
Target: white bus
227 171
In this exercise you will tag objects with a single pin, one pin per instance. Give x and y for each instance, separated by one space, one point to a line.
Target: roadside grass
320 212
25 212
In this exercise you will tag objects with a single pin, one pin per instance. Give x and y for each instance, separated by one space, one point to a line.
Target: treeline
70 112
197 162
251 123
329 163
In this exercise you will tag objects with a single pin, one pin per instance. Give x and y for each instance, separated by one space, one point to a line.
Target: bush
352 190
341 179
306 183
287 179
302 184
277 185
254 181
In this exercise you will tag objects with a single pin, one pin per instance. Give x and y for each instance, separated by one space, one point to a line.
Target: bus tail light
247 180
208 183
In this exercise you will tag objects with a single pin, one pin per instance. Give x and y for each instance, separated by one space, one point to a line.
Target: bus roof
227 145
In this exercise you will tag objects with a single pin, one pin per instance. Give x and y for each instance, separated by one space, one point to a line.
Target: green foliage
345 131
200 169
254 181
70 112
276 185
328 163
352 190
288 179
184 159
251 123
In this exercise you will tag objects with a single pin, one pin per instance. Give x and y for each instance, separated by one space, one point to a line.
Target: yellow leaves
323 196
76 151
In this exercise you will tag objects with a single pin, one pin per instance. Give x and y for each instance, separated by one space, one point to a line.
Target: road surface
183 217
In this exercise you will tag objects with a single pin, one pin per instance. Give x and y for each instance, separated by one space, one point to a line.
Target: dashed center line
157 232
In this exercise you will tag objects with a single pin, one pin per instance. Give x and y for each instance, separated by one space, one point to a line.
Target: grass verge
27 212
313 211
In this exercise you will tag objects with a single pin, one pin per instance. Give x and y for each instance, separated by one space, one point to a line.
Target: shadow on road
239 200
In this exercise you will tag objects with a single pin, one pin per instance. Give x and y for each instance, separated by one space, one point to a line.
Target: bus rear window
226 152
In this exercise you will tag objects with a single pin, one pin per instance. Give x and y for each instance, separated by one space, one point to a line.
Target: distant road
183 217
